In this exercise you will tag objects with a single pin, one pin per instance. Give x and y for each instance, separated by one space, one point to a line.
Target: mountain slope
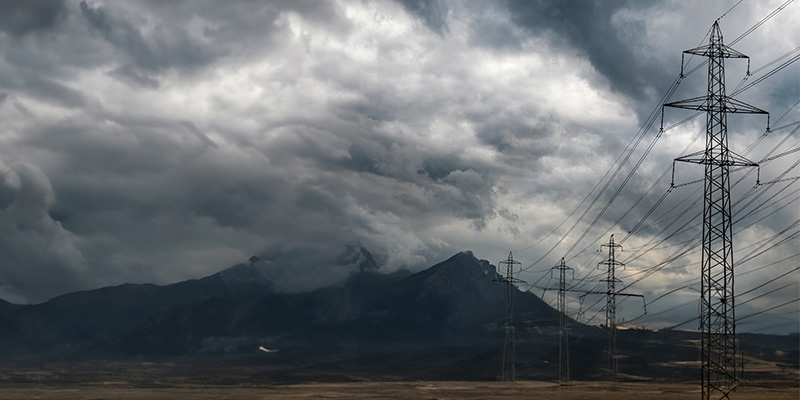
455 301
89 316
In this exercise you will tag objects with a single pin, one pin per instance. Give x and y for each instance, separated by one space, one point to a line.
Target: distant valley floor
388 390
183 378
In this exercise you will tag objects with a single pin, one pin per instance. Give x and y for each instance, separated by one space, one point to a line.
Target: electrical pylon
611 303
563 333
719 370
509 346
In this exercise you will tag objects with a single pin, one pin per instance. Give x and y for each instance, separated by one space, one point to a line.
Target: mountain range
445 322
454 298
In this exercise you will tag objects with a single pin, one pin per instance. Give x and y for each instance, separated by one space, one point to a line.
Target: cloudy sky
150 141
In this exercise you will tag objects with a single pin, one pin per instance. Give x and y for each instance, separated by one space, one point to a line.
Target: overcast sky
154 141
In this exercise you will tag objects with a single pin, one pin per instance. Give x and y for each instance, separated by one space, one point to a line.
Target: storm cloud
160 141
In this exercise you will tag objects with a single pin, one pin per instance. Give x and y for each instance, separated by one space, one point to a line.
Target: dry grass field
391 390
107 380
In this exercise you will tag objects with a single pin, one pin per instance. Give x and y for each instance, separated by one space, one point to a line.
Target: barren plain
190 379
390 390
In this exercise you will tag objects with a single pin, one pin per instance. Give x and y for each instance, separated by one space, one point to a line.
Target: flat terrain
192 379
390 390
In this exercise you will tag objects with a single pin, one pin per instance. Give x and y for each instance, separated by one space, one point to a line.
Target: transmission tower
509 346
611 303
719 370
563 333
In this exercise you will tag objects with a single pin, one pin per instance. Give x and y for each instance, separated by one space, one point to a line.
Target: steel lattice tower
509 346
611 304
563 334
719 369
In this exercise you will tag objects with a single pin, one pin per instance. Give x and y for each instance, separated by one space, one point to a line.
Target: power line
770 281
769 74
750 257
763 204
759 23
769 309
628 150
650 303
769 265
769 64
785 153
729 10
624 156
768 293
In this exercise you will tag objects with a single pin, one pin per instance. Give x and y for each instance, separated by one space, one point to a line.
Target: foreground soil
391 390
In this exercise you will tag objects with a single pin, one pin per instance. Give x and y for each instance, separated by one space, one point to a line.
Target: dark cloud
45 89
172 42
432 12
20 17
612 47
42 258
166 48
495 34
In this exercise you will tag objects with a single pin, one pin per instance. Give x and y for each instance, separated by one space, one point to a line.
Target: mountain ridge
444 322
88 316
454 300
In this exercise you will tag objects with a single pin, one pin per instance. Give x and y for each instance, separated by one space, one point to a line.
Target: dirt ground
391 390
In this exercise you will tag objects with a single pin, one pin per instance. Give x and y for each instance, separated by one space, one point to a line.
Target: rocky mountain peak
240 275
465 266
359 258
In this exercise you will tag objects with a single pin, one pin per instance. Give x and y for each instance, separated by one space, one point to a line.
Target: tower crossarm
727 104
733 159
509 280
716 50
644 303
